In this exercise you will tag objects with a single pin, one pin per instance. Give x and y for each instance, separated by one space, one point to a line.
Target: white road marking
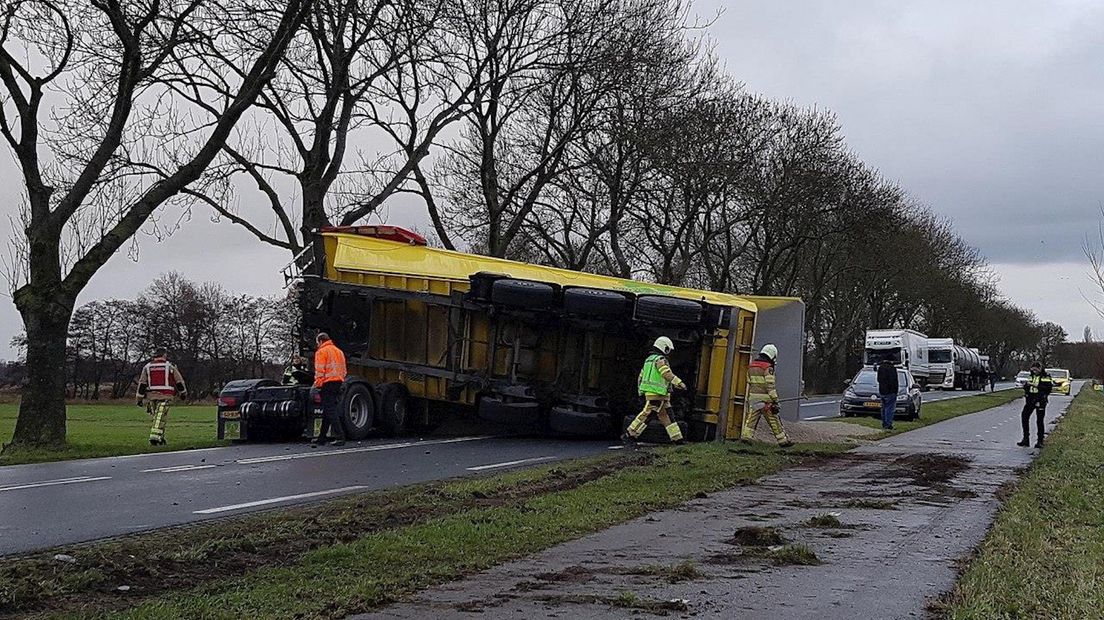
820 417
320 453
169 470
509 463
616 447
823 402
50 483
134 456
276 500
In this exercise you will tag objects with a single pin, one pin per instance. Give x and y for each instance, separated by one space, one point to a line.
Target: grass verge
113 430
1044 556
367 551
938 411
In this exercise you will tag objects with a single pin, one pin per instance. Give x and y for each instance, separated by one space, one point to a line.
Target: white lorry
951 366
903 347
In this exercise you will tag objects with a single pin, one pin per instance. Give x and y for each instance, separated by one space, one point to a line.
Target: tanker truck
952 366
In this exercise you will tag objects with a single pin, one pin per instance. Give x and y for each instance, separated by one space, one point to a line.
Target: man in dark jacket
887 389
1036 390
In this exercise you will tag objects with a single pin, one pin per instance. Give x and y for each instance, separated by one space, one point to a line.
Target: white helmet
770 351
664 344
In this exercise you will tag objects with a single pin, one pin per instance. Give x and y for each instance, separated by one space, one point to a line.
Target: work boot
337 442
1039 444
153 441
1023 443
786 444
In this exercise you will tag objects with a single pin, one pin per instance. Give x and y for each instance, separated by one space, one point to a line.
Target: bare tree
105 151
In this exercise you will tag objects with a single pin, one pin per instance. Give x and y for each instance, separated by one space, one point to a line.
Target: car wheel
668 310
358 410
596 303
393 407
522 293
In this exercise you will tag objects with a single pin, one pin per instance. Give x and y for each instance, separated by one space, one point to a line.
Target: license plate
231 415
872 403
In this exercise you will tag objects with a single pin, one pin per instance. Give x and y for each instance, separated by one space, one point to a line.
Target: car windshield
867 379
939 356
877 356
1058 373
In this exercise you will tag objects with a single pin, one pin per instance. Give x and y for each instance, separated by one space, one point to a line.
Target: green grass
112 430
367 571
1044 556
938 411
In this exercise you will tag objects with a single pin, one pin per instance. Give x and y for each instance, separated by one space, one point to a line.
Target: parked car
1061 378
861 396
1021 378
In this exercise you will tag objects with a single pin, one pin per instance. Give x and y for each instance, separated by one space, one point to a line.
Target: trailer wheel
668 310
523 293
393 408
358 411
519 415
593 302
564 421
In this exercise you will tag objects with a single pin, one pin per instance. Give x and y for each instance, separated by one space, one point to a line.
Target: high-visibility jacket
1040 384
761 384
656 377
329 364
160 380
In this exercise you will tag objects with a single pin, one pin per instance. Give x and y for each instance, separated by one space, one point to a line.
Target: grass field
933 412
1044 556
355 554
111 430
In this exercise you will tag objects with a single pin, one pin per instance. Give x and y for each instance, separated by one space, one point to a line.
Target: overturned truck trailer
431 333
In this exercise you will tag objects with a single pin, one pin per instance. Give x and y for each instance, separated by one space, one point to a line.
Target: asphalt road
49 504
821 407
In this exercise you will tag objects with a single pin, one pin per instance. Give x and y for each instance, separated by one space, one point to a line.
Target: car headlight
849 393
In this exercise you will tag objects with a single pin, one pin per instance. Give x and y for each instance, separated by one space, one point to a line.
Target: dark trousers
889 409
331 416
1038 405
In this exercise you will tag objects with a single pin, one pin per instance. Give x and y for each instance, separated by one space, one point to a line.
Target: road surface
821 407
49 504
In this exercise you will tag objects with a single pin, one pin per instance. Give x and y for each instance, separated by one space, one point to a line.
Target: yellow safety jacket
656 376
1039 384
761 383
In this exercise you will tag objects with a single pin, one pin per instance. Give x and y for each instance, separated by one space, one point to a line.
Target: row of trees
212 335
599 135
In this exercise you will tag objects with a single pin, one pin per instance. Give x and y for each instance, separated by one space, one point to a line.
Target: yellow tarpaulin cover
356 253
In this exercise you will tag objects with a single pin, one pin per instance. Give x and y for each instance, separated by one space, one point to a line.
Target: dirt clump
756 536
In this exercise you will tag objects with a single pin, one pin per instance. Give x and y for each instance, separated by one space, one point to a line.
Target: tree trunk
41 421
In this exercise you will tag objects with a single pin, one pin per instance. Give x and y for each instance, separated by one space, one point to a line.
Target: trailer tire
523 293
594 302
521 415
668 310
358 410
564 421
393 409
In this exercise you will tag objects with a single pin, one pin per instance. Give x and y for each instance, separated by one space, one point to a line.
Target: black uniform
1036 390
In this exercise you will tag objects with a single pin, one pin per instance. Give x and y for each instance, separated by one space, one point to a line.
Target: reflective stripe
163 373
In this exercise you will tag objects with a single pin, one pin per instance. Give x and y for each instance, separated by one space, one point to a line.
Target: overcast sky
990 112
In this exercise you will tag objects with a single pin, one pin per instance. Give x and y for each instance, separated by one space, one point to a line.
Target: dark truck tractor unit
430 333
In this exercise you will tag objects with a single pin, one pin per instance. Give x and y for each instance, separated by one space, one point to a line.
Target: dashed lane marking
51 483
178 468
512 463
321 453
277 500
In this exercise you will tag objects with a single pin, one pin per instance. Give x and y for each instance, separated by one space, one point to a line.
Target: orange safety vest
329 364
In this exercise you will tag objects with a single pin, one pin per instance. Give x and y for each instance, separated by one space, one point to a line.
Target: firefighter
329 378
158 385
297 372
655 382
762 397
1036 390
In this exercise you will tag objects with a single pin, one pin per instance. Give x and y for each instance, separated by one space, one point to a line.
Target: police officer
654 383
297 372
158 385
762 397
1036 390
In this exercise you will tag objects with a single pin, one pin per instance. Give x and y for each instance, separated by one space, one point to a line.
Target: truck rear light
227 401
